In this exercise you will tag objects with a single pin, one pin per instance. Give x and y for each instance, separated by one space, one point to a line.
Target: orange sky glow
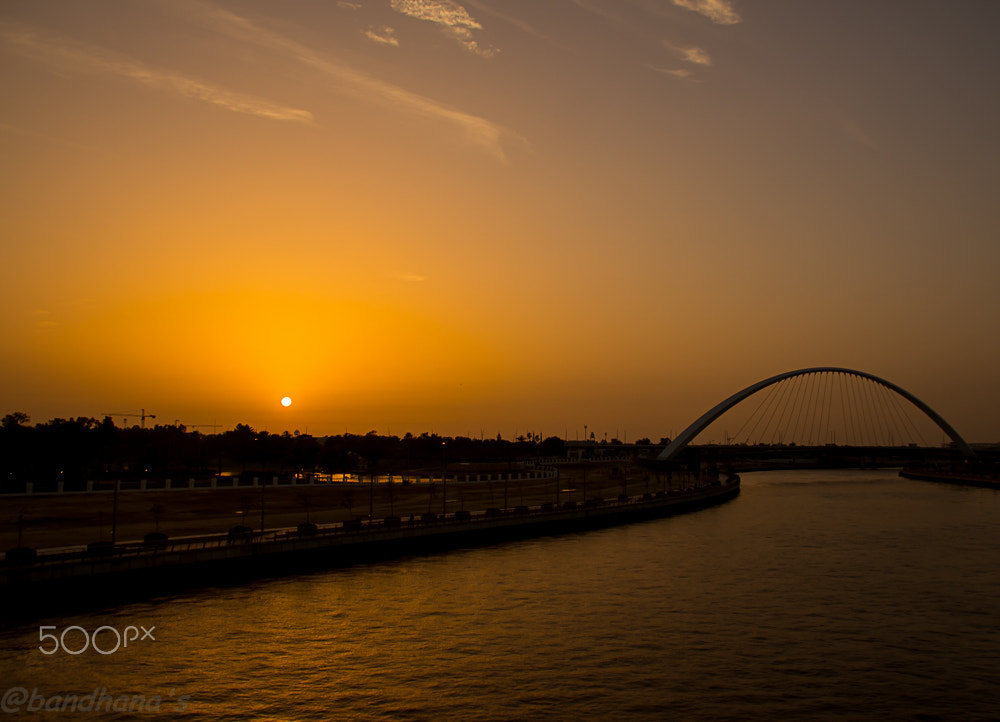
488 217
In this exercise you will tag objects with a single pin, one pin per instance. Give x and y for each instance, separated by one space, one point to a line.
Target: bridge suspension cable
825 405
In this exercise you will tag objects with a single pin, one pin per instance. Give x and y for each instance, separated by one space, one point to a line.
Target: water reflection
813 595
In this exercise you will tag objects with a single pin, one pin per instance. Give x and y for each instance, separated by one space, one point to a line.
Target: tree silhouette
15 420
83 449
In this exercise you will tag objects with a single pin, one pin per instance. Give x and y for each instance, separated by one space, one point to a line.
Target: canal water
814 595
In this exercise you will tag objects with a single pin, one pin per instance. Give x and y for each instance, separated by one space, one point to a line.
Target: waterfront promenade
164 565
79 519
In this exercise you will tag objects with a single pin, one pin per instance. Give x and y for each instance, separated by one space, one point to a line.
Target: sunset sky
494 215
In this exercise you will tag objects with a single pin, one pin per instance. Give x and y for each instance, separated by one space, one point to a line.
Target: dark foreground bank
60 584
984 480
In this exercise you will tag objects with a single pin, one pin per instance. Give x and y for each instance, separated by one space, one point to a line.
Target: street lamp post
114 513
444 485
263 483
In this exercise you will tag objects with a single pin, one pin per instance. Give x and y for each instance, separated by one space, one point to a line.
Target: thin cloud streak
688 53
71 55
384 36
682 73
601 11
520 24
849 125
42 320
482 132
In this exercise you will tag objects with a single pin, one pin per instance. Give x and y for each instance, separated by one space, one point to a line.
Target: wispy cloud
849 124
682 73
42 320
720 12
70 55
383 35
523 26
482 132
409 277
694 55
602 11
690 54
453 19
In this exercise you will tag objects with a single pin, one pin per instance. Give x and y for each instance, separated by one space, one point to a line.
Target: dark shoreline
69 586
946 477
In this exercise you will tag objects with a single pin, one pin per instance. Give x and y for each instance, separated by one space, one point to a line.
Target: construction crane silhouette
142 417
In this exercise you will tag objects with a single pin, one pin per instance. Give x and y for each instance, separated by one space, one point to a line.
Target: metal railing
352 528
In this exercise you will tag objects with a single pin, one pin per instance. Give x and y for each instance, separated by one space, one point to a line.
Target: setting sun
286 401
421 239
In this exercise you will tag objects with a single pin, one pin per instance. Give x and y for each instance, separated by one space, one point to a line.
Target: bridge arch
688 435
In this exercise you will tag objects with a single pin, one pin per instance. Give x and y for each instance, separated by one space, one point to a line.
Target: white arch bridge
886 395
